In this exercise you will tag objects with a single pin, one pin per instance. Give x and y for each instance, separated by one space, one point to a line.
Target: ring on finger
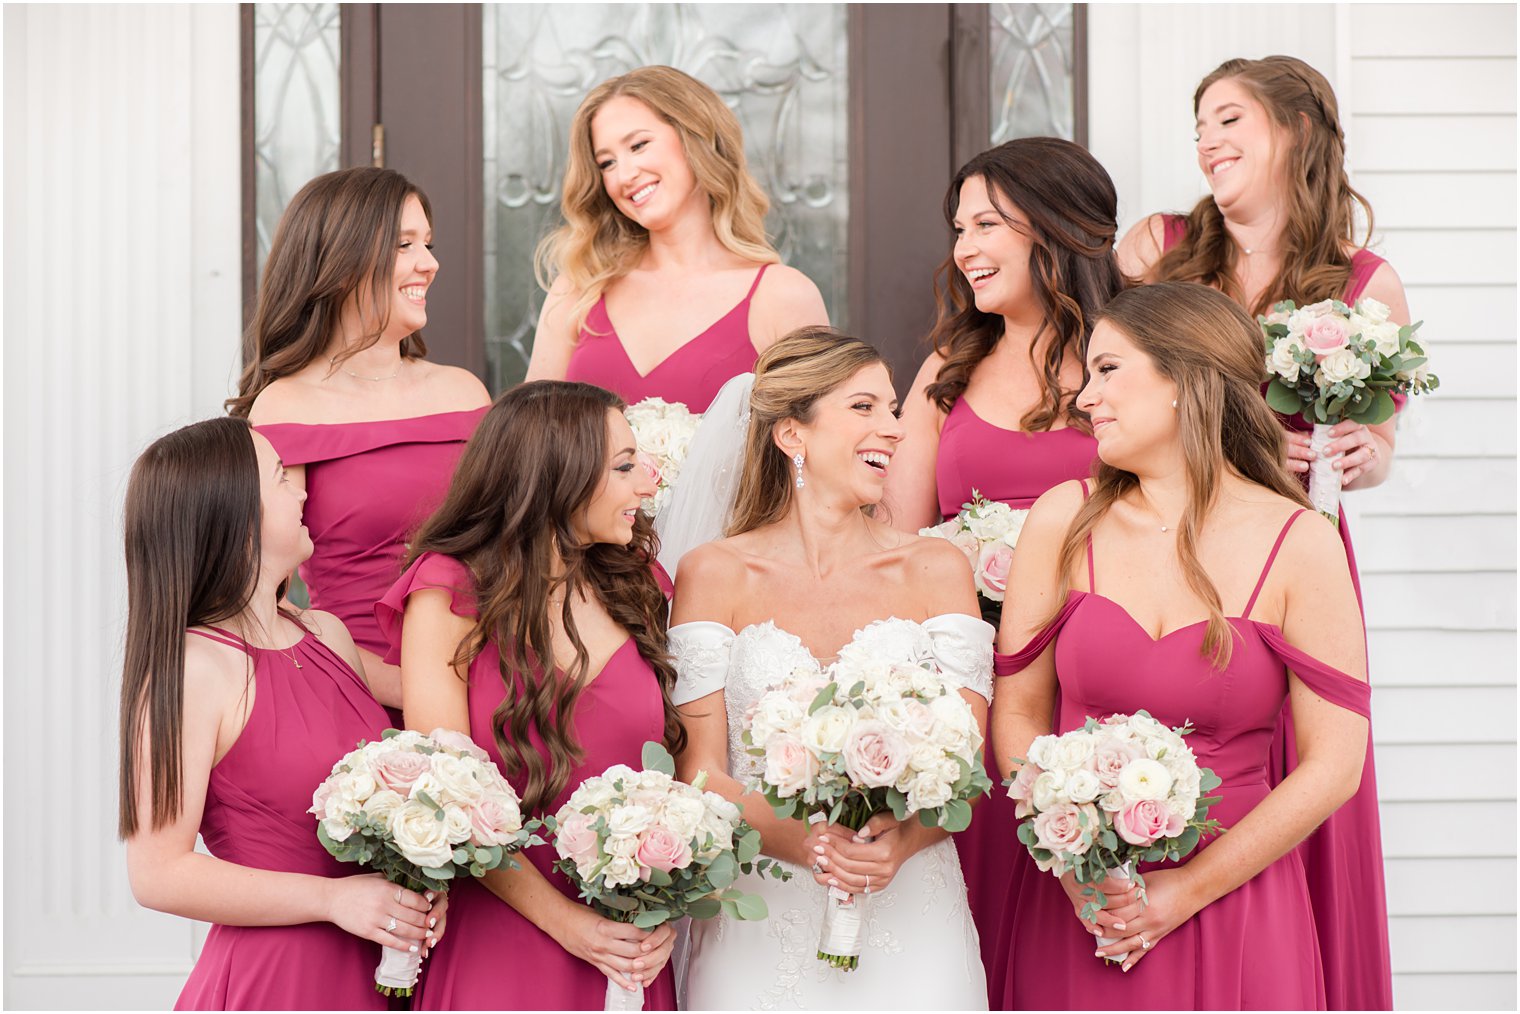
1145 944
390 927
868 883
816 868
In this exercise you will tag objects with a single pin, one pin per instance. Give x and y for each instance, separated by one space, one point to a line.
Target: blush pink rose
494 824
458 742
398 769
1021 791
576 840
1325 335
1142 822
789 766
1109 758
875 754
660 848
992 569
1060 828
652 466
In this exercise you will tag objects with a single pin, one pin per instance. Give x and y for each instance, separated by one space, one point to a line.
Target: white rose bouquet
663 430
1329 363
421 811
1105 797
864 736
646 849
986 531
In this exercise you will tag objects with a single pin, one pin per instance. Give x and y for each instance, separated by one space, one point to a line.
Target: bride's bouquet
421 811
864 736
1330 363
663 430
646 849
1103 798
986 531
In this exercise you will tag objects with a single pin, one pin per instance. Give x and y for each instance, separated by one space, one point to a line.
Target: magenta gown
1344 858
368 486
1255 947
692 374
302 721
492 958
1016 468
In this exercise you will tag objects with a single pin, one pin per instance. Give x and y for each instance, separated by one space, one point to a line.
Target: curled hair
337 238
535 462
193 515
1072 210
1319 202
598 244
1203 342
791 377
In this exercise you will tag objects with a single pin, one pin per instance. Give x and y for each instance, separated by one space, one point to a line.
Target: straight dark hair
193 515
338 236
535 462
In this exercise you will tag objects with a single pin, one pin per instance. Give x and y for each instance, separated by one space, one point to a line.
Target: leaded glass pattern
296 133
780 67
1031 58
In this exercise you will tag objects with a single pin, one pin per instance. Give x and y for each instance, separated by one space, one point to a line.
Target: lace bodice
710 657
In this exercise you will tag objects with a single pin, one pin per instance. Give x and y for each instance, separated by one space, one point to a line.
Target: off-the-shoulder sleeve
430 570
701 651
1328 682
963 650
1010 665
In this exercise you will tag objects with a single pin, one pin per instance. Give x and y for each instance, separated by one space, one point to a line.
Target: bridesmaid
338 382
1280 224
993 406
664 235
1221 598
539 551
233 710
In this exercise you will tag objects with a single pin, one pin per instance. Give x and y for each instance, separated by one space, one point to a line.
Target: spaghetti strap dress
369 485
1016 468
1344 858
1254 948
309 709
692 374
492 958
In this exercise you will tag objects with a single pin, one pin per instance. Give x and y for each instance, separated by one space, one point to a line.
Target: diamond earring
797 460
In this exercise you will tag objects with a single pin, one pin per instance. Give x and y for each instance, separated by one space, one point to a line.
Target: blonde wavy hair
598 244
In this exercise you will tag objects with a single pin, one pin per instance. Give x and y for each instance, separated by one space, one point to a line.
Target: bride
806 570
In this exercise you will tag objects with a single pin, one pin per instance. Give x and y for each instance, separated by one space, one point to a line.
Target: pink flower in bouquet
398 769
875 754
789 765
1021 791
1060 828
660 848
651 465
576 840
966 543
1141 823
493 824
458 742
992 568
1110 757
1325 335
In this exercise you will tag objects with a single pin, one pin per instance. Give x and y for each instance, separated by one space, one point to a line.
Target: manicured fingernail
413 948
819 848
833 882
430 896
1118 925
1097 954
433 921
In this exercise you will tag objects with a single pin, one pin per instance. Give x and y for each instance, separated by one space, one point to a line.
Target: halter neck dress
1344 858
692 374
1253 948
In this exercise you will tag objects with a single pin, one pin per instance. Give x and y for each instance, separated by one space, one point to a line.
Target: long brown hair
193 515
1320 203
1072 209
598 243
790 378
337 237
1203 342
536 460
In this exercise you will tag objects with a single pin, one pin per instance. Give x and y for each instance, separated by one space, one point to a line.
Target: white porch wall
121 317
1427 98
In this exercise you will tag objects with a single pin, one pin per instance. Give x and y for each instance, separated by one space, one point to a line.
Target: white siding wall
1427 96
121 321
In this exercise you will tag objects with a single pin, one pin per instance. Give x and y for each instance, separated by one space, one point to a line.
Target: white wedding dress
920 949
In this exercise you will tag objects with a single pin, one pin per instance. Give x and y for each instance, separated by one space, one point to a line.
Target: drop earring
797 460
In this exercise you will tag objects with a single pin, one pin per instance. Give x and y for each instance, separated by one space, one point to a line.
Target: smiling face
849 444
1241 151
1129 400
643 163
284 541
610 515
992 251
416 267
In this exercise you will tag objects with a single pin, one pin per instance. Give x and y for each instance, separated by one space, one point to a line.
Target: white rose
420 836
1072 751
621 870
594 793
1112 801
924 755
1049 790
621 773
427 783
1083 786
456 823
775 712
1015 527
1343 365
1040 752
382 805
456 780
622 845
655 780
931 789
1373 310
629 820
826 729
683 815
1385 338
1281 361
358 784
1144 779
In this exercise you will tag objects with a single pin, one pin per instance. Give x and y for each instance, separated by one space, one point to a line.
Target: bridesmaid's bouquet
864 736
646 849
421 811
1330 363
1112 794
986 531
663 430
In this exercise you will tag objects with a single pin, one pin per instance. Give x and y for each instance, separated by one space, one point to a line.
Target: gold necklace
333 361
